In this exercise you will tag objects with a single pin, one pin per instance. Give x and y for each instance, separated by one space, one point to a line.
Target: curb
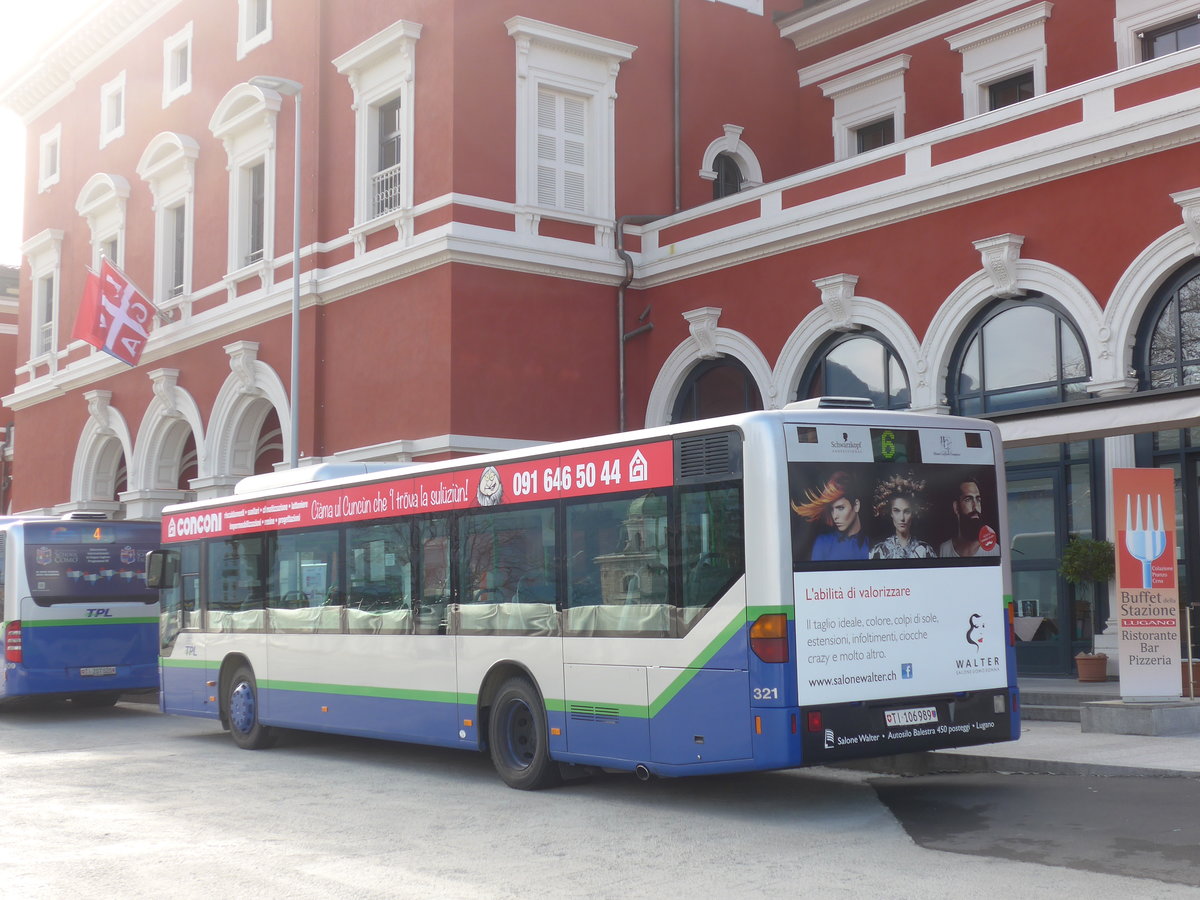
944 762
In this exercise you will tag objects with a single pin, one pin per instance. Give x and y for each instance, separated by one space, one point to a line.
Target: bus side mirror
162 569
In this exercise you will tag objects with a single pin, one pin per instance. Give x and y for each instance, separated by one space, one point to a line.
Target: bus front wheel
242 708
518 737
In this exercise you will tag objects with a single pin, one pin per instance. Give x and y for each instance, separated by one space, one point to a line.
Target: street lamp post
288 87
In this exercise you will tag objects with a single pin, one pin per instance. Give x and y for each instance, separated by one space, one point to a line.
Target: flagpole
292 88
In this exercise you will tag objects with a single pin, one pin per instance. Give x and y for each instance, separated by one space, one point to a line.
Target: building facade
523 220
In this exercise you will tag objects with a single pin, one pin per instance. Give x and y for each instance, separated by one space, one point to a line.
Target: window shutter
562 151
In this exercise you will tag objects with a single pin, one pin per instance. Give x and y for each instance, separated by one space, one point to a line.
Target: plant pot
1092 666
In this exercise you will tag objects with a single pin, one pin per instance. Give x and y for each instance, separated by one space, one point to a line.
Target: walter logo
975 631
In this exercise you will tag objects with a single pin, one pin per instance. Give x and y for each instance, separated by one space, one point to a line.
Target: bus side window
379 567
712 544
181 601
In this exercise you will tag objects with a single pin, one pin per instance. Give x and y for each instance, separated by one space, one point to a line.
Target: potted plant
1086 562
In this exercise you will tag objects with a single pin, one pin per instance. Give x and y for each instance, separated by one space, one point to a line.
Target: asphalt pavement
1060 748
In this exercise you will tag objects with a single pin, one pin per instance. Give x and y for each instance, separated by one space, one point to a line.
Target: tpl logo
99 613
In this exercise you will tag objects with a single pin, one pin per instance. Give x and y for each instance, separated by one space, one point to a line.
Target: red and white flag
114 316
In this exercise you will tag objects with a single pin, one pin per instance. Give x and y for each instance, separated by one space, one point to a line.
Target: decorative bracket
1000 256
243 357
100 409
837 296
702 323
165 385
1189 204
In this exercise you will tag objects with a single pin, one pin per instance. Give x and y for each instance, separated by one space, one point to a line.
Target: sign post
1147 584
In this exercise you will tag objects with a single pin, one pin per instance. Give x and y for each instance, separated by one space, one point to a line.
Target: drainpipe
678 126
622 335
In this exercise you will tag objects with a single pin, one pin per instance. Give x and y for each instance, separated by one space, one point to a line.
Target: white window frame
178 43
864 97
248 38
245 122
102 202
168 166
381 69
112 98
1133 17
732 145
562 60
50 158
1000 49
44 252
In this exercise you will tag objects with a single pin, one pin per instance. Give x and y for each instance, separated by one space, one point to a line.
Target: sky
28 28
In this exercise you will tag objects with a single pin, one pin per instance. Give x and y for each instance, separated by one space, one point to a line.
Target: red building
524 220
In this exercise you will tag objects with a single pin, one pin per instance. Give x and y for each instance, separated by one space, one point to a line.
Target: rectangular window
876 135
1010 90
44 340
1169 38
254 25
112 110
433 576
561 151
110 250
387 182
255 185
176 218
258 16
507 576
379 578
48 153
618 567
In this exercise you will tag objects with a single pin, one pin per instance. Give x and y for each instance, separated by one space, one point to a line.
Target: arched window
1167 352
1017 353
717 387
729 176
857 365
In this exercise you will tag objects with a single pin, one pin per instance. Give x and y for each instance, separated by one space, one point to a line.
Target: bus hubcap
241 708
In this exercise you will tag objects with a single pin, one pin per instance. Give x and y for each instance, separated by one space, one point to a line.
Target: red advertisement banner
1146 606
607 471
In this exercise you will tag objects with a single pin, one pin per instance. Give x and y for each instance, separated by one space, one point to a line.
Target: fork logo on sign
1146 540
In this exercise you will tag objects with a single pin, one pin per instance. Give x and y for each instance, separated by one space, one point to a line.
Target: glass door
1045 625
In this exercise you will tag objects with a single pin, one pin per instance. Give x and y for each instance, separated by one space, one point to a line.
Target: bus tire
241 706
518 737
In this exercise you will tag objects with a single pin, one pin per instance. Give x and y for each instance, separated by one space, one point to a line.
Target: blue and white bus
764 591
79 621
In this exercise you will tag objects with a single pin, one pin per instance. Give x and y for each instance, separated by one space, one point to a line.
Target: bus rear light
769 638
12 642
812 720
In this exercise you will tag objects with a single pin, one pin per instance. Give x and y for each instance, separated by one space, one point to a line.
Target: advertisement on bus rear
88 562
897 562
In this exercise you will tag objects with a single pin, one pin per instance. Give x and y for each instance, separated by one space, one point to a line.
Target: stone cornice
104 30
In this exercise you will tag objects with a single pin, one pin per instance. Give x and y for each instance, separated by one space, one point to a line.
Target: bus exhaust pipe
642 773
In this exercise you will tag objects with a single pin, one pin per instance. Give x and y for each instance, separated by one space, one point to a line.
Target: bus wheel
242 707
518 738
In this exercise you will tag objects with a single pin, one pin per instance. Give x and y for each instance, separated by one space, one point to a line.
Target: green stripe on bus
352 690
171 663
58 623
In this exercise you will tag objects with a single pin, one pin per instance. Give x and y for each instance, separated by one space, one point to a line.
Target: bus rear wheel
241 706
518 737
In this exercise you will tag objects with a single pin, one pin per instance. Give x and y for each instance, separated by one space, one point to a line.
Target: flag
114 316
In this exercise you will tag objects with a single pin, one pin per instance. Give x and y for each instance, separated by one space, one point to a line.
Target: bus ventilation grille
609 714
705 454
